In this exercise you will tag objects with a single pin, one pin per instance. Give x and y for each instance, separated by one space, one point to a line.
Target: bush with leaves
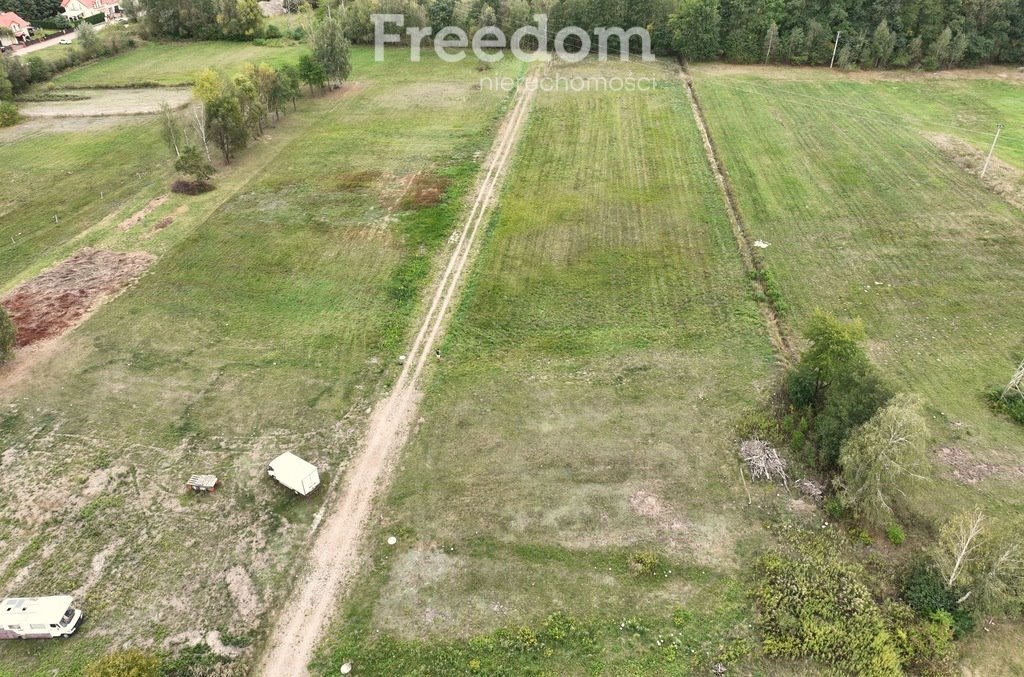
126 663
834 386
193 164
880 458
811 605
8 114
8 332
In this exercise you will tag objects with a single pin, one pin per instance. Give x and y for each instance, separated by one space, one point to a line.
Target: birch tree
880 457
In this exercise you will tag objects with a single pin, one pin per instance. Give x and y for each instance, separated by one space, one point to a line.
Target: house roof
9 18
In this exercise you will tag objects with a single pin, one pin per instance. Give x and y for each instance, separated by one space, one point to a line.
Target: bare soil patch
59 298
425 190
1002 179
358 180
101 102
967 469
136 218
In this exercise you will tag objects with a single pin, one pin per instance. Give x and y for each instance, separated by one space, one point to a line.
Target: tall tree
696 28
880 457
331 48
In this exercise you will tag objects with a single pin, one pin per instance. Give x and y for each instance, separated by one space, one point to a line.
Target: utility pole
835 50
991 152
771 41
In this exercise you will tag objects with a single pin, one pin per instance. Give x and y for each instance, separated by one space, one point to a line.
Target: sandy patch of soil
968 470
120 102
61 297
52 125
136 218
1002 179
243 592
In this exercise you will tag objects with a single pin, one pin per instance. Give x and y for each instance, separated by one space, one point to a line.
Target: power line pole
771 41
835 50
991 152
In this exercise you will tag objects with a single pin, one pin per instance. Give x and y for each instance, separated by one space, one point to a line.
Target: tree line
913 33
232 110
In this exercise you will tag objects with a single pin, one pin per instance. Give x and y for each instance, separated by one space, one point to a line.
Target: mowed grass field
56 186
868 219
571 503
268 324
174 63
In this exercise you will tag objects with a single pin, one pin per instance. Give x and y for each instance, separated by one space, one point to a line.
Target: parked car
64 41
38 617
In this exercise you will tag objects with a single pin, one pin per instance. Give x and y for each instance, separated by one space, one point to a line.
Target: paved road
52 41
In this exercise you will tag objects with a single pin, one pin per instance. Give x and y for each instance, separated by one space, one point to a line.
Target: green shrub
813 606
272 32
925 591
7 334
645 563
126 663
8 114
896 535
925 645
1012 406
834 507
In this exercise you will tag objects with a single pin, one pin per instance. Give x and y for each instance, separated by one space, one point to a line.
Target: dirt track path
333 555
778 333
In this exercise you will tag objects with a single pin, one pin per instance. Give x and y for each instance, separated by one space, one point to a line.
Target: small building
16 25
76 10
38 617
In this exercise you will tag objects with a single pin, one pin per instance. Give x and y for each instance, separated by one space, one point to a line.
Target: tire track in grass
333 557
777 331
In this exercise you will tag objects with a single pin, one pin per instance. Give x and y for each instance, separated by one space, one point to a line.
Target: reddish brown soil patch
168 220
59 298
425 190
137 217
358 180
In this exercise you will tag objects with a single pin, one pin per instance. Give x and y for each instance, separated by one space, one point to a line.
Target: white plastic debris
392 540
403 359
761 244
346 668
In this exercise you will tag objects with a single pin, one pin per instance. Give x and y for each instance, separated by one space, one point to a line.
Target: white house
79 9
16 25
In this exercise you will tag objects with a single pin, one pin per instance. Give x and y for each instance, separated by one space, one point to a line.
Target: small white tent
298 475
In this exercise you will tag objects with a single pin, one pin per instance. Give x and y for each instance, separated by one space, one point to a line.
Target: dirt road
333 556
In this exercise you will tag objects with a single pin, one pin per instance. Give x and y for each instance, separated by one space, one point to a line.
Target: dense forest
929 34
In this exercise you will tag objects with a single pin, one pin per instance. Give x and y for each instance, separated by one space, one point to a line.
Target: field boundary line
334 553
777 330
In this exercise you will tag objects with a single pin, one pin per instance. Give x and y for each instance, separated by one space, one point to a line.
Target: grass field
268 324
174 63
868 219
56 186
575 455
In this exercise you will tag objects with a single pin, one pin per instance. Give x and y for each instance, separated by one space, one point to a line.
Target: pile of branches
763 461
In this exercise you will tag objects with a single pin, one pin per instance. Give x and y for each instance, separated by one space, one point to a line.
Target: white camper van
296 474
38 617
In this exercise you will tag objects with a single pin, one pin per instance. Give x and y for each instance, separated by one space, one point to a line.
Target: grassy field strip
779 333
968 104
172 63
333 556
870 221
574 452
264 327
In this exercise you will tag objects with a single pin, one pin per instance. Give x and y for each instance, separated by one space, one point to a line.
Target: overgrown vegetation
812 604
8 333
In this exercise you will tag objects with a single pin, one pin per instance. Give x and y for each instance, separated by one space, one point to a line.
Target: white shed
298 475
